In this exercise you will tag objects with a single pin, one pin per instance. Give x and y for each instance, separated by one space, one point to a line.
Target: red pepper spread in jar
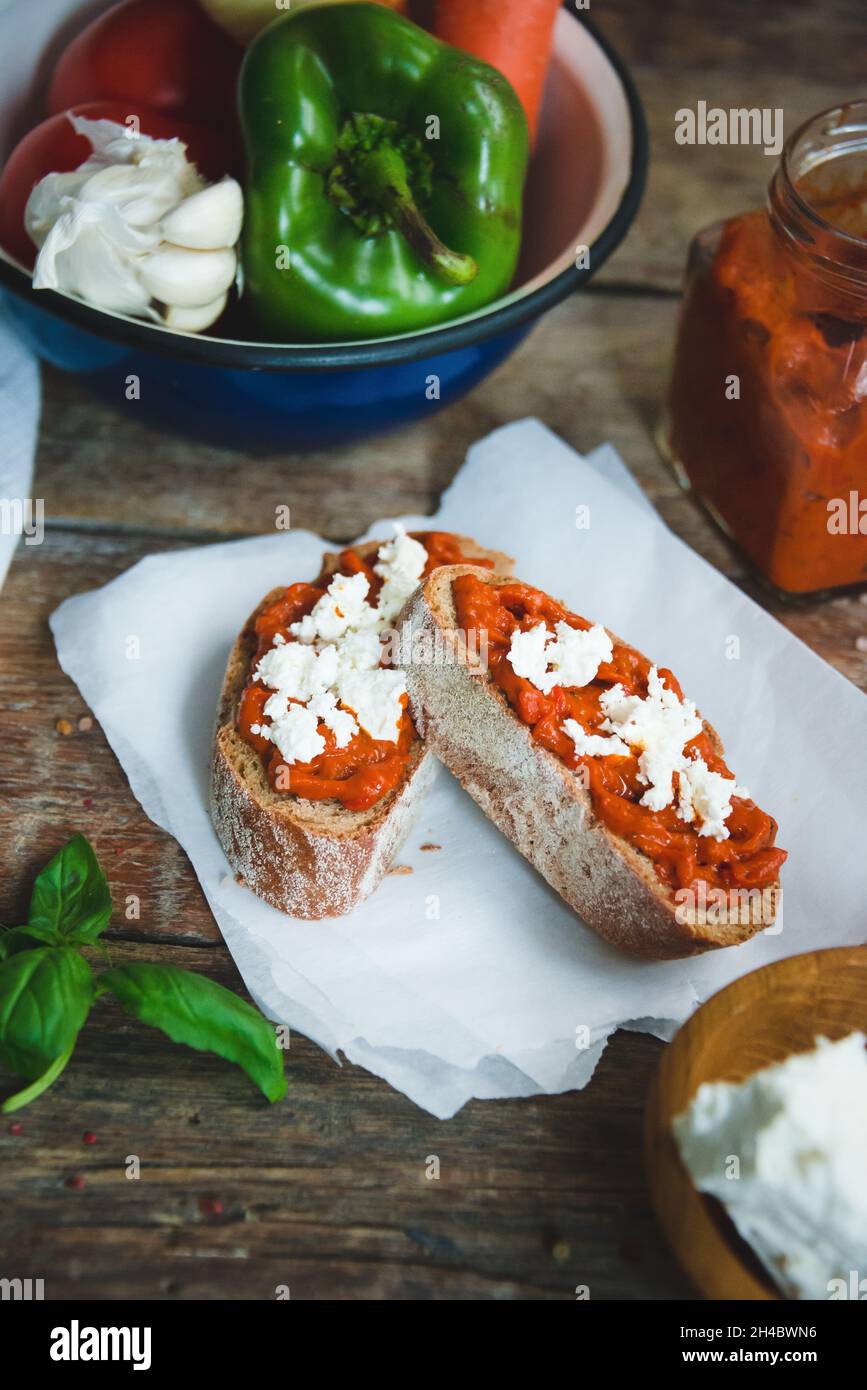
768 399
491 614
366 769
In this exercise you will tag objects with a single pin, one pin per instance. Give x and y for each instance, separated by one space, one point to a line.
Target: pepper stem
382 177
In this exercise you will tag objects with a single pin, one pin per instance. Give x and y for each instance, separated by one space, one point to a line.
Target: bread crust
309 859
533 798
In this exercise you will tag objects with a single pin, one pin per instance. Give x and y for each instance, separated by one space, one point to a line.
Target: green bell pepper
385 174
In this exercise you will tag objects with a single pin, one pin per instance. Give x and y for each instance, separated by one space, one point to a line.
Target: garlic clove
207 220
196 319
187 279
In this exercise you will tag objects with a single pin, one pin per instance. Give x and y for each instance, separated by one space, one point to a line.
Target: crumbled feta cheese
527 653
335 660
295 734
298 671
342 606
375 697
708 795
339 721
276 705
359 650
576 655
594 745
400 564
305 629
657 726
685 808
572 654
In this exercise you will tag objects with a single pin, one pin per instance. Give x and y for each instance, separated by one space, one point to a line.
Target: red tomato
165 54
54 147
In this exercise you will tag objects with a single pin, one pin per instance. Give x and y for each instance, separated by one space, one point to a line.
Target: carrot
512 35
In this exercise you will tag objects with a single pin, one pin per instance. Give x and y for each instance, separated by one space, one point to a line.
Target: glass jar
767 410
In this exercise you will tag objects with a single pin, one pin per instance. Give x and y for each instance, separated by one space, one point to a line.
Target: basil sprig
47 988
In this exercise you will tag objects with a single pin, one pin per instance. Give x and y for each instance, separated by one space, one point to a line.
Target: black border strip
429 343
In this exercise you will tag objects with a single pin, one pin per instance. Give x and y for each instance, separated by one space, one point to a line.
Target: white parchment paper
469 976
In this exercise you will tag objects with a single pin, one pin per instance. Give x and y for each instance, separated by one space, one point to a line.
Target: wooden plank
325 1192
732 37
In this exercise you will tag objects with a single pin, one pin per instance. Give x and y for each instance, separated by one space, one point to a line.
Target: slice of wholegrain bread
529 794
310 859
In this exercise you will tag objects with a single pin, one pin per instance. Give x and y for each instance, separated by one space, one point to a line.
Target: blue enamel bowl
583 191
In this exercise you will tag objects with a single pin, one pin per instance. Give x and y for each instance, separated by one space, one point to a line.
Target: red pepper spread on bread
360 770
683 848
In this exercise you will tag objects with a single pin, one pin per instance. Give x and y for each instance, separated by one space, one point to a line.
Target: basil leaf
193 1010
45 996
42 1083
71 897
22 939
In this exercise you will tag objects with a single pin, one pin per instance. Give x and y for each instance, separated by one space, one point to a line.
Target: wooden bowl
760 1019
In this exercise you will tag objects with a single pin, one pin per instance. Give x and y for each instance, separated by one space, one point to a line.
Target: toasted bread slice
534 798
310 859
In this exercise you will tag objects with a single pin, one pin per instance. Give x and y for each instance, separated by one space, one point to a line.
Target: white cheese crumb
576 656
375 699
658 727
572 654
799 1131
400 564
295 734
339 721
342 606
708 795
305 629
359 650
527 653
594 745
297 671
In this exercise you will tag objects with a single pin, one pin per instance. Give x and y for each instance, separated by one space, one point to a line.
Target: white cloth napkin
20 512
469 976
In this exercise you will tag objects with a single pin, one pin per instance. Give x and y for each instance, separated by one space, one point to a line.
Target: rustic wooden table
327 1192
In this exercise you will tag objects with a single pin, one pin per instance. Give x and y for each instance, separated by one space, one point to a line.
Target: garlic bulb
136 230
